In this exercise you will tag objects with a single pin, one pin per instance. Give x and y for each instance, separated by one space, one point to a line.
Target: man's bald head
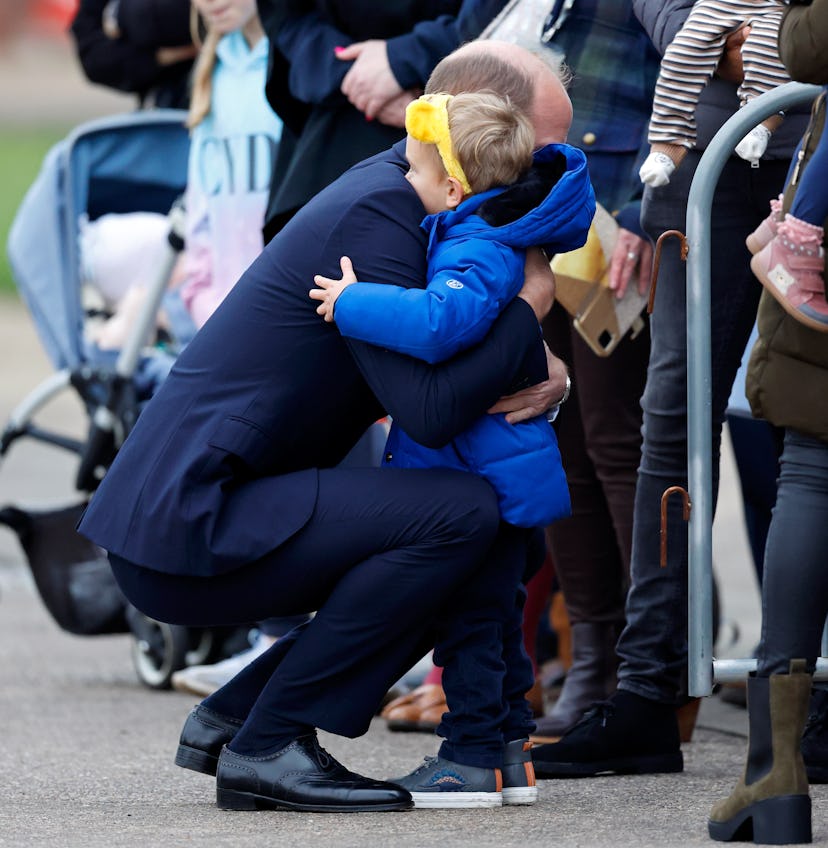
513 72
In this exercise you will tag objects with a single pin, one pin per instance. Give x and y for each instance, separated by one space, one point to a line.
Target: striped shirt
691 60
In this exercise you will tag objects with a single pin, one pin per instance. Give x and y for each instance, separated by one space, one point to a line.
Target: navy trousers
379 560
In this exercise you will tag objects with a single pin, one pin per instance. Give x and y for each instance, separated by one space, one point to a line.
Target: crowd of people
374 197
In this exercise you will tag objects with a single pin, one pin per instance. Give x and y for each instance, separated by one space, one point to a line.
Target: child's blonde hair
491 139
201 93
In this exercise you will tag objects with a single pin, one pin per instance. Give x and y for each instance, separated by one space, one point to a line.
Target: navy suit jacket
221 466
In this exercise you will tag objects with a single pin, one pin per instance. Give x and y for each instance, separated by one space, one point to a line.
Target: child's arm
463 297
330 289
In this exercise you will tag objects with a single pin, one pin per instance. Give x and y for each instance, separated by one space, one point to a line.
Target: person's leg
599 433
381 553
756 449
653 645
470 646
773 791
795 587
639 732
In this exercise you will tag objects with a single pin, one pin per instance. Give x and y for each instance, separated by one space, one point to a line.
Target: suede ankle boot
770 804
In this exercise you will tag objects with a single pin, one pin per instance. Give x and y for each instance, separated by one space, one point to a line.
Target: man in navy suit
224 505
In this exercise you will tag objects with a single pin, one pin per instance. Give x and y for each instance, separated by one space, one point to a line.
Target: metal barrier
703 669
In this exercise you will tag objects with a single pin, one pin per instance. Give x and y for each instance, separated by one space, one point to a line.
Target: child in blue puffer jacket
462 151
488 199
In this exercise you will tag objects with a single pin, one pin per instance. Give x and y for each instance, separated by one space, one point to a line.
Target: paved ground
87 753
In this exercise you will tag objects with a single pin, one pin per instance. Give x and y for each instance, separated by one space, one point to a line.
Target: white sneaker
657 170
203 680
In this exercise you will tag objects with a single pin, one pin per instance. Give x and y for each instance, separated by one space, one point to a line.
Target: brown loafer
406 712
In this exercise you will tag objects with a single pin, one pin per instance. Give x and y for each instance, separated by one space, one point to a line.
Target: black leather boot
770 804
815 738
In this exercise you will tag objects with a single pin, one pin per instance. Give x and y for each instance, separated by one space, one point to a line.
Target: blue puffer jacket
476 255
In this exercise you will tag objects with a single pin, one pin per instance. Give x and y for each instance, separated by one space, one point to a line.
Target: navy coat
220 467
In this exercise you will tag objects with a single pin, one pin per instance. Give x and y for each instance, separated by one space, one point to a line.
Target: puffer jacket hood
551 206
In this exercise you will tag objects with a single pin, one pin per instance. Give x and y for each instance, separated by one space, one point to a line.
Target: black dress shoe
815 738
302 776
203 736
627 734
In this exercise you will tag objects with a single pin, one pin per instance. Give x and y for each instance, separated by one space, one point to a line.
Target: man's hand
370 83
330 289
730 66
393 113
535 400
538 283
631 252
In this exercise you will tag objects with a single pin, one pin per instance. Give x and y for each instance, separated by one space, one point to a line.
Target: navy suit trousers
380 557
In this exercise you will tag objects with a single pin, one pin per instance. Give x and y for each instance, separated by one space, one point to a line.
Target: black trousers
379 560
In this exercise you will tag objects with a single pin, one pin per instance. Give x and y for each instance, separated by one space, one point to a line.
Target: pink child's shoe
767 229
790 267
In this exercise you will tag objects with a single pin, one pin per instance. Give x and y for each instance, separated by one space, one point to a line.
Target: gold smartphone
582 278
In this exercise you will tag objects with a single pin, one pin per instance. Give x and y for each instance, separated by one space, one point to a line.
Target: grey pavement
87 753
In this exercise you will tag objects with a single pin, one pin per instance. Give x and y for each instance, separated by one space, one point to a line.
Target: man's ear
454 193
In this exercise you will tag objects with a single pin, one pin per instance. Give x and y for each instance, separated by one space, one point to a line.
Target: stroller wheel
202 647
159 649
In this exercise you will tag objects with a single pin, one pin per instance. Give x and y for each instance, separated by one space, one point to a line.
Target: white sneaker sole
514 795
456 800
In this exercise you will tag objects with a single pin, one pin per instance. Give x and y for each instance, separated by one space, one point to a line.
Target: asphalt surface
87 755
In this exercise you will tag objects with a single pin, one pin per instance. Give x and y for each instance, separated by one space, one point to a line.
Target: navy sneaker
518 773
440 784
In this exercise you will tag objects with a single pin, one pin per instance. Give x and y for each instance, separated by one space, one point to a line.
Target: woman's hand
631 252
370 83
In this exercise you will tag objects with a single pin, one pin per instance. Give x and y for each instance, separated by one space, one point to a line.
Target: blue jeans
795 589
653 646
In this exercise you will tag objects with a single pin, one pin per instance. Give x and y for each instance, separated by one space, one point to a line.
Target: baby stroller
126 164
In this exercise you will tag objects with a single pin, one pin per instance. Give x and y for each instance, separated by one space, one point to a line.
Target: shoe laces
599 711
322 757
425 765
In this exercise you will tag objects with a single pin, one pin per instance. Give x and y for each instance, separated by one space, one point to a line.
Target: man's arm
432 403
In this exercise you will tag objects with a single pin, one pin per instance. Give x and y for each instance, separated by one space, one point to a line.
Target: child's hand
330 289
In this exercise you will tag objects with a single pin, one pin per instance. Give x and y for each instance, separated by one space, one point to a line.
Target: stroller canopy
129 163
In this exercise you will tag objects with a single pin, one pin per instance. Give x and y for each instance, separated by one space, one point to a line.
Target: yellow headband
426 120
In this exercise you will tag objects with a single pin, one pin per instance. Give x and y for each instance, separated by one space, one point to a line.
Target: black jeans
653 646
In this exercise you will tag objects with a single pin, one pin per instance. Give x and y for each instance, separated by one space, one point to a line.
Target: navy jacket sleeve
412 56
662 19
307 42
435 403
